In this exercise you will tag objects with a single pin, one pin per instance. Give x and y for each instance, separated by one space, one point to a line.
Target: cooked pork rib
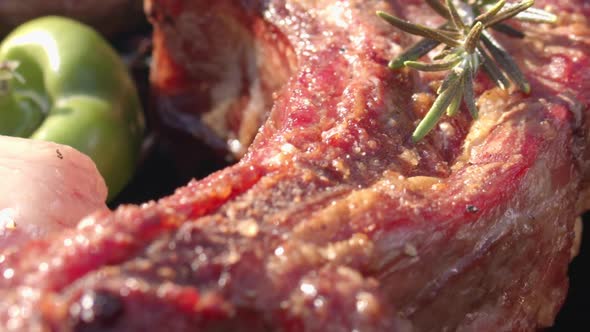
334 220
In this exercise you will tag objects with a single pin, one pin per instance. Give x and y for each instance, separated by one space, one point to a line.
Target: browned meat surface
109 16
218 85
334 220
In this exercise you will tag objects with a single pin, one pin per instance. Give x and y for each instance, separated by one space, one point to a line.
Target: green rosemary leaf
447 51
434 66
420 30
439 8
452 32
508 30
415 52
440 105
451 79
468 45
473 37
453 108
505 61
540 12
489 15
455 17
535 15
510 12
468 94
492 70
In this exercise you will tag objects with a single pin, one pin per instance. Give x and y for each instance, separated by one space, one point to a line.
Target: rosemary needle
420 30
468 46
420 49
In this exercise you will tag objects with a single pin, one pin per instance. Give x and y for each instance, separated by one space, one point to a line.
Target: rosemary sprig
468 46
415 52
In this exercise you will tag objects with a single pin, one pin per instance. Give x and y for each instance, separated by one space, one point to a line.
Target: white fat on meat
45 187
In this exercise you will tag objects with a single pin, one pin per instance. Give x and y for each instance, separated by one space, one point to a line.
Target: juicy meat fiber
334 220
46 187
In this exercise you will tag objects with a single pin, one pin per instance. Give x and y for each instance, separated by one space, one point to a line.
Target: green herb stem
468 45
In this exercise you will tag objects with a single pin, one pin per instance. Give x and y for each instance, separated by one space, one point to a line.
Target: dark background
575 314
